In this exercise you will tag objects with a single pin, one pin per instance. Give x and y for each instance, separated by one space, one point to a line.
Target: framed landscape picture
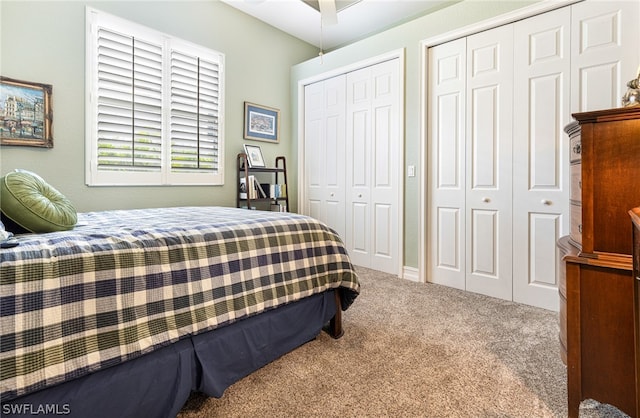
25 113
261 123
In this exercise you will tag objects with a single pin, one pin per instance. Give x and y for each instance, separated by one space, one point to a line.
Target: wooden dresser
597 331
635 222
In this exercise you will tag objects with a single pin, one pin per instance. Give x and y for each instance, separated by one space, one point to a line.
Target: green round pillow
32 203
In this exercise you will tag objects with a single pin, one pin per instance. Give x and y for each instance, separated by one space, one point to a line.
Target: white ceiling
355 22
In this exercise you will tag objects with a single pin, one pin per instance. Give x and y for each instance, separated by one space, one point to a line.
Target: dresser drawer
576 224
576 183
575 150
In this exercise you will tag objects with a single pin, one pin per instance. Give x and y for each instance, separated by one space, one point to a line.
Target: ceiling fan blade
328 12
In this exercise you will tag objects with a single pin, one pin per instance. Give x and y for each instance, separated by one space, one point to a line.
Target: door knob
486 200
360 195
545 202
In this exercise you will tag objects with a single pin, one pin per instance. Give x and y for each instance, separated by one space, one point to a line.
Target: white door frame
535 9
399 54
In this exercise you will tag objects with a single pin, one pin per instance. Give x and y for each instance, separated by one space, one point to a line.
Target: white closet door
325 152
523 81
373 139
605 54
489 162
446 151
540 161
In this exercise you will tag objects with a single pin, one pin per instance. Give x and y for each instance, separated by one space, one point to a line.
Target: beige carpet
414 350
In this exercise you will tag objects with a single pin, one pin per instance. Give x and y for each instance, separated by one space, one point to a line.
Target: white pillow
4 234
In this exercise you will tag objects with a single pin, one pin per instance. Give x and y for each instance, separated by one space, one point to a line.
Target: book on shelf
277 191
243 188
251 189
259 188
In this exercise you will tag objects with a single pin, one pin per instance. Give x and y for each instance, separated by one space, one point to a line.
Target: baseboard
411 273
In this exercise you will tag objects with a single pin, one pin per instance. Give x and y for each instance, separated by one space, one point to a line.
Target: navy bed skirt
158 384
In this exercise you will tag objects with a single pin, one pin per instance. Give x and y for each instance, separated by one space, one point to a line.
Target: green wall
407 37
44 42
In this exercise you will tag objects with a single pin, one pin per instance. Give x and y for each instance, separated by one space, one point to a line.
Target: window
154 107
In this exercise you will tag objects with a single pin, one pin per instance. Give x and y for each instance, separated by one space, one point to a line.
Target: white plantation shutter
129 103
153 109
194 113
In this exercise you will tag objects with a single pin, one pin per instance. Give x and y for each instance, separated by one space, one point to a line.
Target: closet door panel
543 265
372 137
382 173
314 135
359 149
484 138
360 247
358 140
334 154
382 193
605 53
484 245
449 144
446 150
540 170
383 221
325 162
448 244
489 162
314 146
388 165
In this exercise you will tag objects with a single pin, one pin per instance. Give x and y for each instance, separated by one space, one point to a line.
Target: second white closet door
489 162
372 178
540 169
447 163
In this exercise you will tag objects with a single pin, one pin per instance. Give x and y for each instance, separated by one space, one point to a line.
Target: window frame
166 176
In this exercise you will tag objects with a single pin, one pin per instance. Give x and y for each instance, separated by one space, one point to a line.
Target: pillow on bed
33 204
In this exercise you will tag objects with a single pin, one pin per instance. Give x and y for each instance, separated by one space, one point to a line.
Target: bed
132 310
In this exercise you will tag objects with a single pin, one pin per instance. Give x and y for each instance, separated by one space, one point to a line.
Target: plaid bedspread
124 283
